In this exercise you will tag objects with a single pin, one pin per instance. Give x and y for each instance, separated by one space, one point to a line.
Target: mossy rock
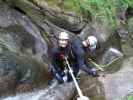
16 69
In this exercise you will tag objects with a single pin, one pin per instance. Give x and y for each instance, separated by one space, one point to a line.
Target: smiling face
63 42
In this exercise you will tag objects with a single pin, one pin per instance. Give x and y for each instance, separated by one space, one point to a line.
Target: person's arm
81 60
56 70
54 60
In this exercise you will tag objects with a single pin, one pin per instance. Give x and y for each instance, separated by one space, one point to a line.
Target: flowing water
52 92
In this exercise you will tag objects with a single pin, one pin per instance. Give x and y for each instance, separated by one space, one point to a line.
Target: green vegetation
130 98
67 5
106 10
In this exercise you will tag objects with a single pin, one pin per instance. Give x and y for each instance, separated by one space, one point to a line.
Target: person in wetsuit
75 52
59 67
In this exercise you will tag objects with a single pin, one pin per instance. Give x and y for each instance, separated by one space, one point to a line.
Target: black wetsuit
59 65
80 53
76 54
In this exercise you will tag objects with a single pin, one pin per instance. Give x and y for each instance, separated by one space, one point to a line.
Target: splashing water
52 92
31 96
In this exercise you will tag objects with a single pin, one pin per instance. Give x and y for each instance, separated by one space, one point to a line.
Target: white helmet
92 41
63 39
64 35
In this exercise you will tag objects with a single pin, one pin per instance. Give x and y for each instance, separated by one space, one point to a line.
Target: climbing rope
101 67
81 96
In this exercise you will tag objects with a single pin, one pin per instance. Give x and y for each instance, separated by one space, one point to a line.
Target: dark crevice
18 9
77 32
129 12
4 0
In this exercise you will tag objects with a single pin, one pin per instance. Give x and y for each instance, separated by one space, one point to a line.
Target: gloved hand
58 77
65 78
94 72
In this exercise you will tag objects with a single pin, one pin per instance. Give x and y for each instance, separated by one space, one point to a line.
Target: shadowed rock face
111 60
68 20
19 34
11 19
20 40
127 45
16 69
16 39
91 87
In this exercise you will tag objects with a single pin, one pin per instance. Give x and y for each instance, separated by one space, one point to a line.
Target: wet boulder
127 46
16 39
111 60
130 29
91 87
40 15
21 49
119 84
68 20
17 69
11 18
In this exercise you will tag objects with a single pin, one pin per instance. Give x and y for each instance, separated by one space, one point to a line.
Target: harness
67 52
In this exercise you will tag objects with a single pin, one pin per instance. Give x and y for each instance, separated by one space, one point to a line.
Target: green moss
107 10
69 5
51 2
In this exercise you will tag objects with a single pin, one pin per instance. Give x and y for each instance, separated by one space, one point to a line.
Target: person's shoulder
77 45
76 41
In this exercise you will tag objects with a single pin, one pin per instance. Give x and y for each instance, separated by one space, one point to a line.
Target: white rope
74 79
100 67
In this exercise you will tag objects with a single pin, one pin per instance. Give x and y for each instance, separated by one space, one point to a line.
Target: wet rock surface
127 45
21 28
119 84
68 20
11 18
16 39
53 92
91 87
17 69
